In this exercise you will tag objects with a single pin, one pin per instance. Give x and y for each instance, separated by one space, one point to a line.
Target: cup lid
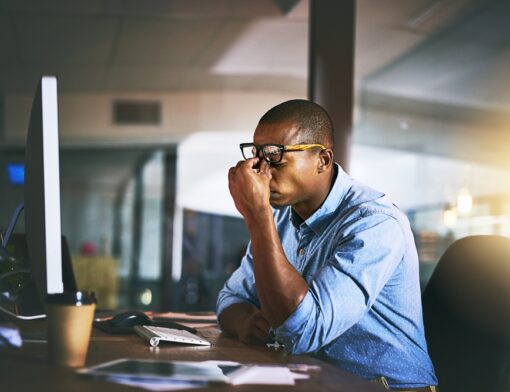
71 298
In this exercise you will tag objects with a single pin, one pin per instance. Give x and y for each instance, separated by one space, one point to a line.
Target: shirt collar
321 217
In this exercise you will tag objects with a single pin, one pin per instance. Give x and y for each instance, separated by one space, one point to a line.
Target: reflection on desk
26 369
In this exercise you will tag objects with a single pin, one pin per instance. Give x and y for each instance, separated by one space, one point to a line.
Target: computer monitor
42 247
42 190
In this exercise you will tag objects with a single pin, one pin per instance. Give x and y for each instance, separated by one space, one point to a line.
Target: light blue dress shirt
363 309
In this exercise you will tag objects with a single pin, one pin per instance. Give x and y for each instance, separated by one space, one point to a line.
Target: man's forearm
280 287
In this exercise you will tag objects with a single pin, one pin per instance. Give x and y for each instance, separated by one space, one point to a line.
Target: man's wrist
259 218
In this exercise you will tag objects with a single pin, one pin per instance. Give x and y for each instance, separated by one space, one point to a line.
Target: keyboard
156 334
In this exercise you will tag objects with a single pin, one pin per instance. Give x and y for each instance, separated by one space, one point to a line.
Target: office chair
466 310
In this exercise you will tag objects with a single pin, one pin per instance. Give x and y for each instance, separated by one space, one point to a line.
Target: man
333 269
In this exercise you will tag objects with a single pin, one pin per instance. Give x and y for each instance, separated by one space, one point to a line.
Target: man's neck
306 209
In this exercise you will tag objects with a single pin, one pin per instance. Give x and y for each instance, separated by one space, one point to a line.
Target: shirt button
301 251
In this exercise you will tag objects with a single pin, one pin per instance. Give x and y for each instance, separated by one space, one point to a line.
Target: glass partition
112 216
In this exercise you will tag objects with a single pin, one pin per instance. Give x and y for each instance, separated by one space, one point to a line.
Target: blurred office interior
155 97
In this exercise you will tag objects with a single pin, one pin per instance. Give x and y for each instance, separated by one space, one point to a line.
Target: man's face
294 178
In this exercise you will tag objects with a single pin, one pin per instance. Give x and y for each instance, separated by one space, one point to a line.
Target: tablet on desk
162 370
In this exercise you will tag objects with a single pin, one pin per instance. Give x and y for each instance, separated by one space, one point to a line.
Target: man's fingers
231 173
261 335
262 324
253 162
248 163
258 328
264 168
254 335
254 340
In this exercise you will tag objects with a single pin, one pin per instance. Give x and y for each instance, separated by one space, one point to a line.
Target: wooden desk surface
26 369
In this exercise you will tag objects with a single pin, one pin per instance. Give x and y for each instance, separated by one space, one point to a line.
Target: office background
154 98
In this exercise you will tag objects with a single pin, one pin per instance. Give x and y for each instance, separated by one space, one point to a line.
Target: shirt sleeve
341 293
240 287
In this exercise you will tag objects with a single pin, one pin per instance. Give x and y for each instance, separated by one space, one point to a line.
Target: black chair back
466 310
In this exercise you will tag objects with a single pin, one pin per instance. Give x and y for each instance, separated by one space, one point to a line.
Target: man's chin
277 200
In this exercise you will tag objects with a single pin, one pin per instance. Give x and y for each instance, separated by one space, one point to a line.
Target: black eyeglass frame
283 148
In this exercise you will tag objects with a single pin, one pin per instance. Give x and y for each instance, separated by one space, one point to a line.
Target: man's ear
325 160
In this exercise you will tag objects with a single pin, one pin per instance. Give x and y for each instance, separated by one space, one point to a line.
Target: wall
87 119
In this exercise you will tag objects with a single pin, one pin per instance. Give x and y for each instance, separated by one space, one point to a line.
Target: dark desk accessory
123 323
18 295
129 318
13 273
14 278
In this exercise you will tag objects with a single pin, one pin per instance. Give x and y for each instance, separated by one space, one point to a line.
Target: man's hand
255 329
246 322
249 187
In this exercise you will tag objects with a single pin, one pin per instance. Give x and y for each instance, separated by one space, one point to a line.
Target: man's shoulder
363 200
365 207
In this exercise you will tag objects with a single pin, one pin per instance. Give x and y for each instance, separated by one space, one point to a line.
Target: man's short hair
312 120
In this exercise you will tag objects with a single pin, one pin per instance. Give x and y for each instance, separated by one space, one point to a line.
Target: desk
26 369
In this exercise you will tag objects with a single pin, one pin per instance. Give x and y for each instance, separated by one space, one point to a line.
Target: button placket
301 251
303 243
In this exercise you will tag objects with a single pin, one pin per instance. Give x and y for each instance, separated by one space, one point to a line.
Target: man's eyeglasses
273 153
